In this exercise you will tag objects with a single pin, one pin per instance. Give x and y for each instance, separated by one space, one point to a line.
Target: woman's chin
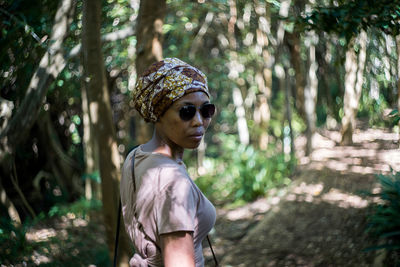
193 145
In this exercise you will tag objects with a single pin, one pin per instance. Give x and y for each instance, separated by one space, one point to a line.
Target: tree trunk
284 85
89 145
149 33
262 113
149 49
7 203
390 70
63 167
353 85
283 12
263 77
237 97
288 113
310 92
294 47
101 118
241 118
14 180
398 77
49 67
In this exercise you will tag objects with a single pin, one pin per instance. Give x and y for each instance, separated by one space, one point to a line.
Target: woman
165 213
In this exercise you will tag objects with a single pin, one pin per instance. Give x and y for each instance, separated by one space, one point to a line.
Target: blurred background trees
276 70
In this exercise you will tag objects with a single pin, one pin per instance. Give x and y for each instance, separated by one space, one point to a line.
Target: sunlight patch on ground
375 151
47 234
392 157
312 193
311 189
374 134
249 211
41 235
256 208
80 222
305 192
344 200
39 259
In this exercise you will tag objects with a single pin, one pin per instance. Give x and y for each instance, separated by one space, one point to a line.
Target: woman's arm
178 249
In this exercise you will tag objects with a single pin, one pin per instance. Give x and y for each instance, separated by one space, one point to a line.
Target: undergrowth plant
243 173
384 223
12 240
17 250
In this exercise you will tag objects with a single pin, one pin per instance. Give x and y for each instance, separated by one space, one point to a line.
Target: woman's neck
159 145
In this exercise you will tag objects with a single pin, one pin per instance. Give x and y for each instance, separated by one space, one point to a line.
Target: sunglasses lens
207 110
186 113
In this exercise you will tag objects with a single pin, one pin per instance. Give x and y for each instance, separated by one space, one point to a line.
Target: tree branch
109 37
199 37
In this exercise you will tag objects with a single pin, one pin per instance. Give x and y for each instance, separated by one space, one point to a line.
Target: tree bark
64 168
101 118
288 113
8 204
398 77
353 85
389 69
284 84
149 49
294 47
149 33
283 12
90 148
14 180
243 130
310 92
51 64
237 97
263 77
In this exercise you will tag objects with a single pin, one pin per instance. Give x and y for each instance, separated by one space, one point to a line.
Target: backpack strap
212 251
117 233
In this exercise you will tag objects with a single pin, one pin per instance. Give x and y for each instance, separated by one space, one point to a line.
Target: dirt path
320 219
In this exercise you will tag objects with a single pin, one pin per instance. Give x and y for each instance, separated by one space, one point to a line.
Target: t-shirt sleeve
176 204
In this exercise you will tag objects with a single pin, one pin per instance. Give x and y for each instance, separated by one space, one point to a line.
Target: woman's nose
197 119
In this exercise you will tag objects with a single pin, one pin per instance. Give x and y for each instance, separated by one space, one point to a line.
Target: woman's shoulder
158 169
172 174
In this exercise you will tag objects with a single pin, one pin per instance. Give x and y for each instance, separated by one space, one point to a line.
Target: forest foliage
277 69
198 33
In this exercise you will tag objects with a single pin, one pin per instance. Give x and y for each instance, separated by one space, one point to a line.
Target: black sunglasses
186 113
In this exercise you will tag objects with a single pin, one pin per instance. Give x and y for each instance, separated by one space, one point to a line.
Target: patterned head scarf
163 83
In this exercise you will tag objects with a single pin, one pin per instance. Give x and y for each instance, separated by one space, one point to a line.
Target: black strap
212 251
117 233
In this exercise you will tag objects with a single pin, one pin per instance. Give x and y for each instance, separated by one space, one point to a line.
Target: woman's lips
196 137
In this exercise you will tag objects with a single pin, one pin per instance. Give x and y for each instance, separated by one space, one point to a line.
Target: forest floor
318 220
321 218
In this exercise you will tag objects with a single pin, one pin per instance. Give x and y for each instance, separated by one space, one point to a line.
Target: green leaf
394 112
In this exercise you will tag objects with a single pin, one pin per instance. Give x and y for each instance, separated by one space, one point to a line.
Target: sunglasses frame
200 109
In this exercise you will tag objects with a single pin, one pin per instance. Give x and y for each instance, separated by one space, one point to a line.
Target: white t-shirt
166 200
